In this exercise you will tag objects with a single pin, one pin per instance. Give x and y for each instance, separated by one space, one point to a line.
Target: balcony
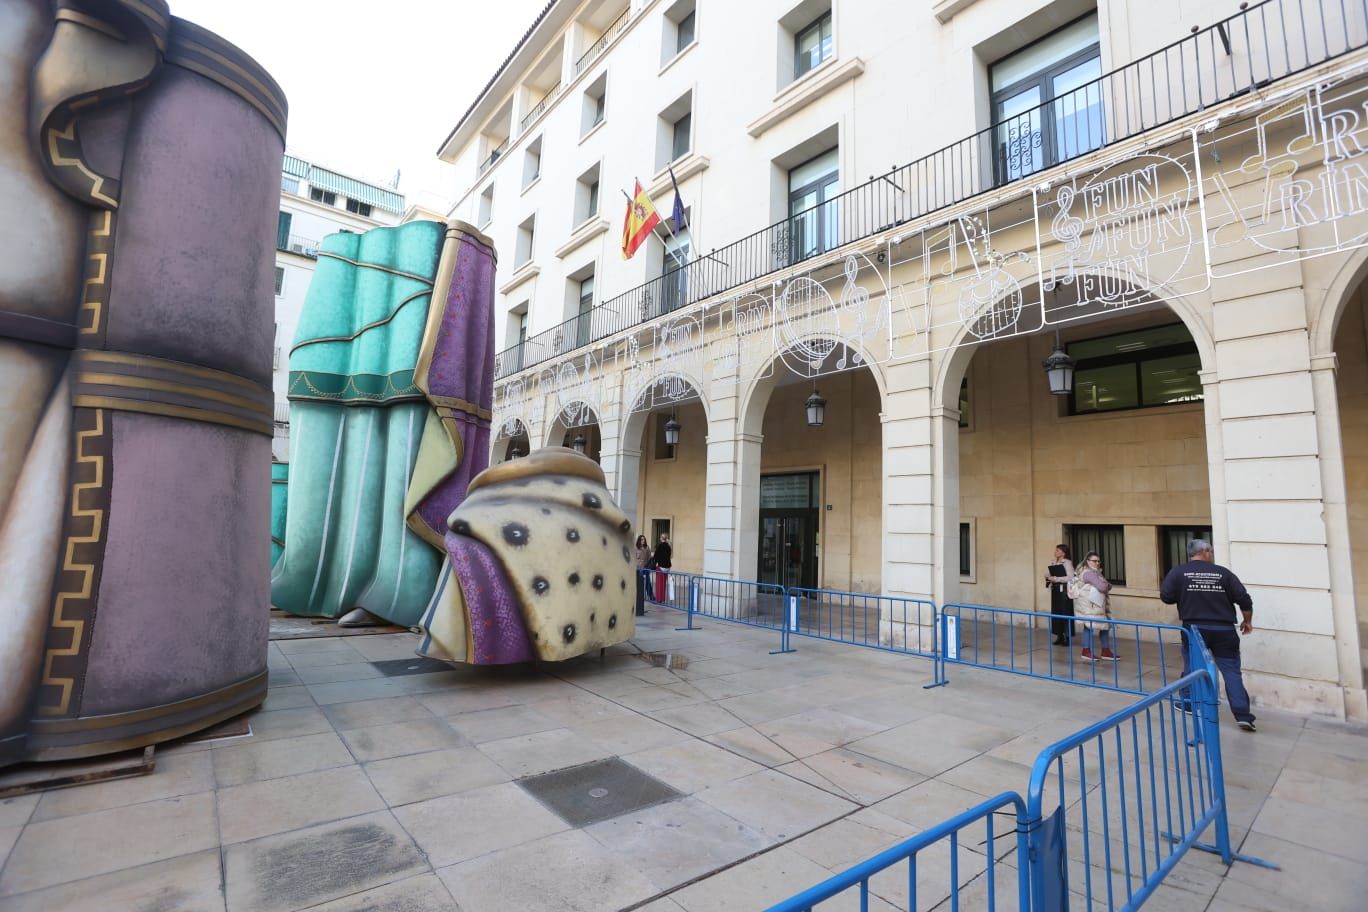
551 95
1236 56
300 245
596 49
494 155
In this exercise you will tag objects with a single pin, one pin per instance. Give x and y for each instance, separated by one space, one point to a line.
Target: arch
556 428
760 386
1325 320
635 422
954 360
500 446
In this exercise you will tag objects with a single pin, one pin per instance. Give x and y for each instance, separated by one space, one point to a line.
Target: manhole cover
596 791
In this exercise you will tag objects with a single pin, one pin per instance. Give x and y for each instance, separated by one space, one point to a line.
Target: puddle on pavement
668 660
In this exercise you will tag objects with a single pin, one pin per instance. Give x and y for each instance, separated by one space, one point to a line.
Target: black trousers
1060 603
641 591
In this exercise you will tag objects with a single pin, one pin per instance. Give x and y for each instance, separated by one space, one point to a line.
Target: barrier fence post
1211 725
691 604
938 678
788 621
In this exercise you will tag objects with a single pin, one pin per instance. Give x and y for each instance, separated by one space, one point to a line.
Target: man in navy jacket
1206 595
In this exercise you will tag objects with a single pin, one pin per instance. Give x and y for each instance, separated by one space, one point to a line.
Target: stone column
921 499
1336 516
1266 453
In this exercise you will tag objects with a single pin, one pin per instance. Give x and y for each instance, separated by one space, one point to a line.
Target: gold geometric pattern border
95 289
73 605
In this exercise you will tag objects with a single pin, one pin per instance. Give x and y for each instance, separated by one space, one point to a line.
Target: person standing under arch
662 560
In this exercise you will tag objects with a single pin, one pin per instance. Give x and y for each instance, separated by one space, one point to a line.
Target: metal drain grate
596 791
417 665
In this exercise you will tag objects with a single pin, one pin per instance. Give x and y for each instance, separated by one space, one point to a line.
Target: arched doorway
1351 395
664 465
812 514
1119 466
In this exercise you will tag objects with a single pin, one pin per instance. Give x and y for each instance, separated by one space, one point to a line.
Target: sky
373 87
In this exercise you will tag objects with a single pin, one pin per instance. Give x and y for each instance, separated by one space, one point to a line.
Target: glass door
788 548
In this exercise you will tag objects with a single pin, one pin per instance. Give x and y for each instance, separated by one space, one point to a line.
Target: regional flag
677 216
640 222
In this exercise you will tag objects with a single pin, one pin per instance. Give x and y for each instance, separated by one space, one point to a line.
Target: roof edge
480 97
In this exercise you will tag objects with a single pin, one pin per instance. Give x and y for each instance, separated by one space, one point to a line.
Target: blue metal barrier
1149 656
904 891
1115 805
738 601
676 591
905 625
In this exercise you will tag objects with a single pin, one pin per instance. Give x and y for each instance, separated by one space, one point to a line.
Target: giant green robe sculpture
391 380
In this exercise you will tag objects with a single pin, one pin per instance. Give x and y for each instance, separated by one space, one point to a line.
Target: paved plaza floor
374 781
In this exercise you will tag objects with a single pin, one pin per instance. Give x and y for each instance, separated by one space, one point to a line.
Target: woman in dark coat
643 560
661 558
1057 576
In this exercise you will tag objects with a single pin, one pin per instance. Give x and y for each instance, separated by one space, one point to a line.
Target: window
680 143
279 280
326 197
1140 369
1107 541
587 195
660 527
1046 101
486 205
527 234
674 275
532 162
964 403
685 32
595 104
289 184
586 310
812 45
1173 542
813 226
283 231
517 325
966 550
663 451
679 25
674 134
358 207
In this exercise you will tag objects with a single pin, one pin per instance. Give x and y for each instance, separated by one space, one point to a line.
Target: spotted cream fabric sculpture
539 566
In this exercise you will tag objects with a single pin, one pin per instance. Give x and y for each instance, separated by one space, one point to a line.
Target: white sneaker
1247 726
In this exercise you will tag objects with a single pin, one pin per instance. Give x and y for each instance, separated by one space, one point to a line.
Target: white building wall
905 80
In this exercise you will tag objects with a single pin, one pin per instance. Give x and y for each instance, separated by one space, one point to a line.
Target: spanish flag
640 222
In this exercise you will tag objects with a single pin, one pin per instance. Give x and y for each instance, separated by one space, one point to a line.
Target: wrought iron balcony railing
494 155
1240 54
550 96
597 48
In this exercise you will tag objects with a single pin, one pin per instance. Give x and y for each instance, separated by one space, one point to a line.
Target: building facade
314 203
901 211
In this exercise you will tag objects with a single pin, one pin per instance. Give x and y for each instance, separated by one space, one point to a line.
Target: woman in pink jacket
1092 605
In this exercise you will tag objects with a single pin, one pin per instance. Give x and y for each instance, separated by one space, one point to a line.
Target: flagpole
666 222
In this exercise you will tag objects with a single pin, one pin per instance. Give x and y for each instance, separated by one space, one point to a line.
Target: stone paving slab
361 791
